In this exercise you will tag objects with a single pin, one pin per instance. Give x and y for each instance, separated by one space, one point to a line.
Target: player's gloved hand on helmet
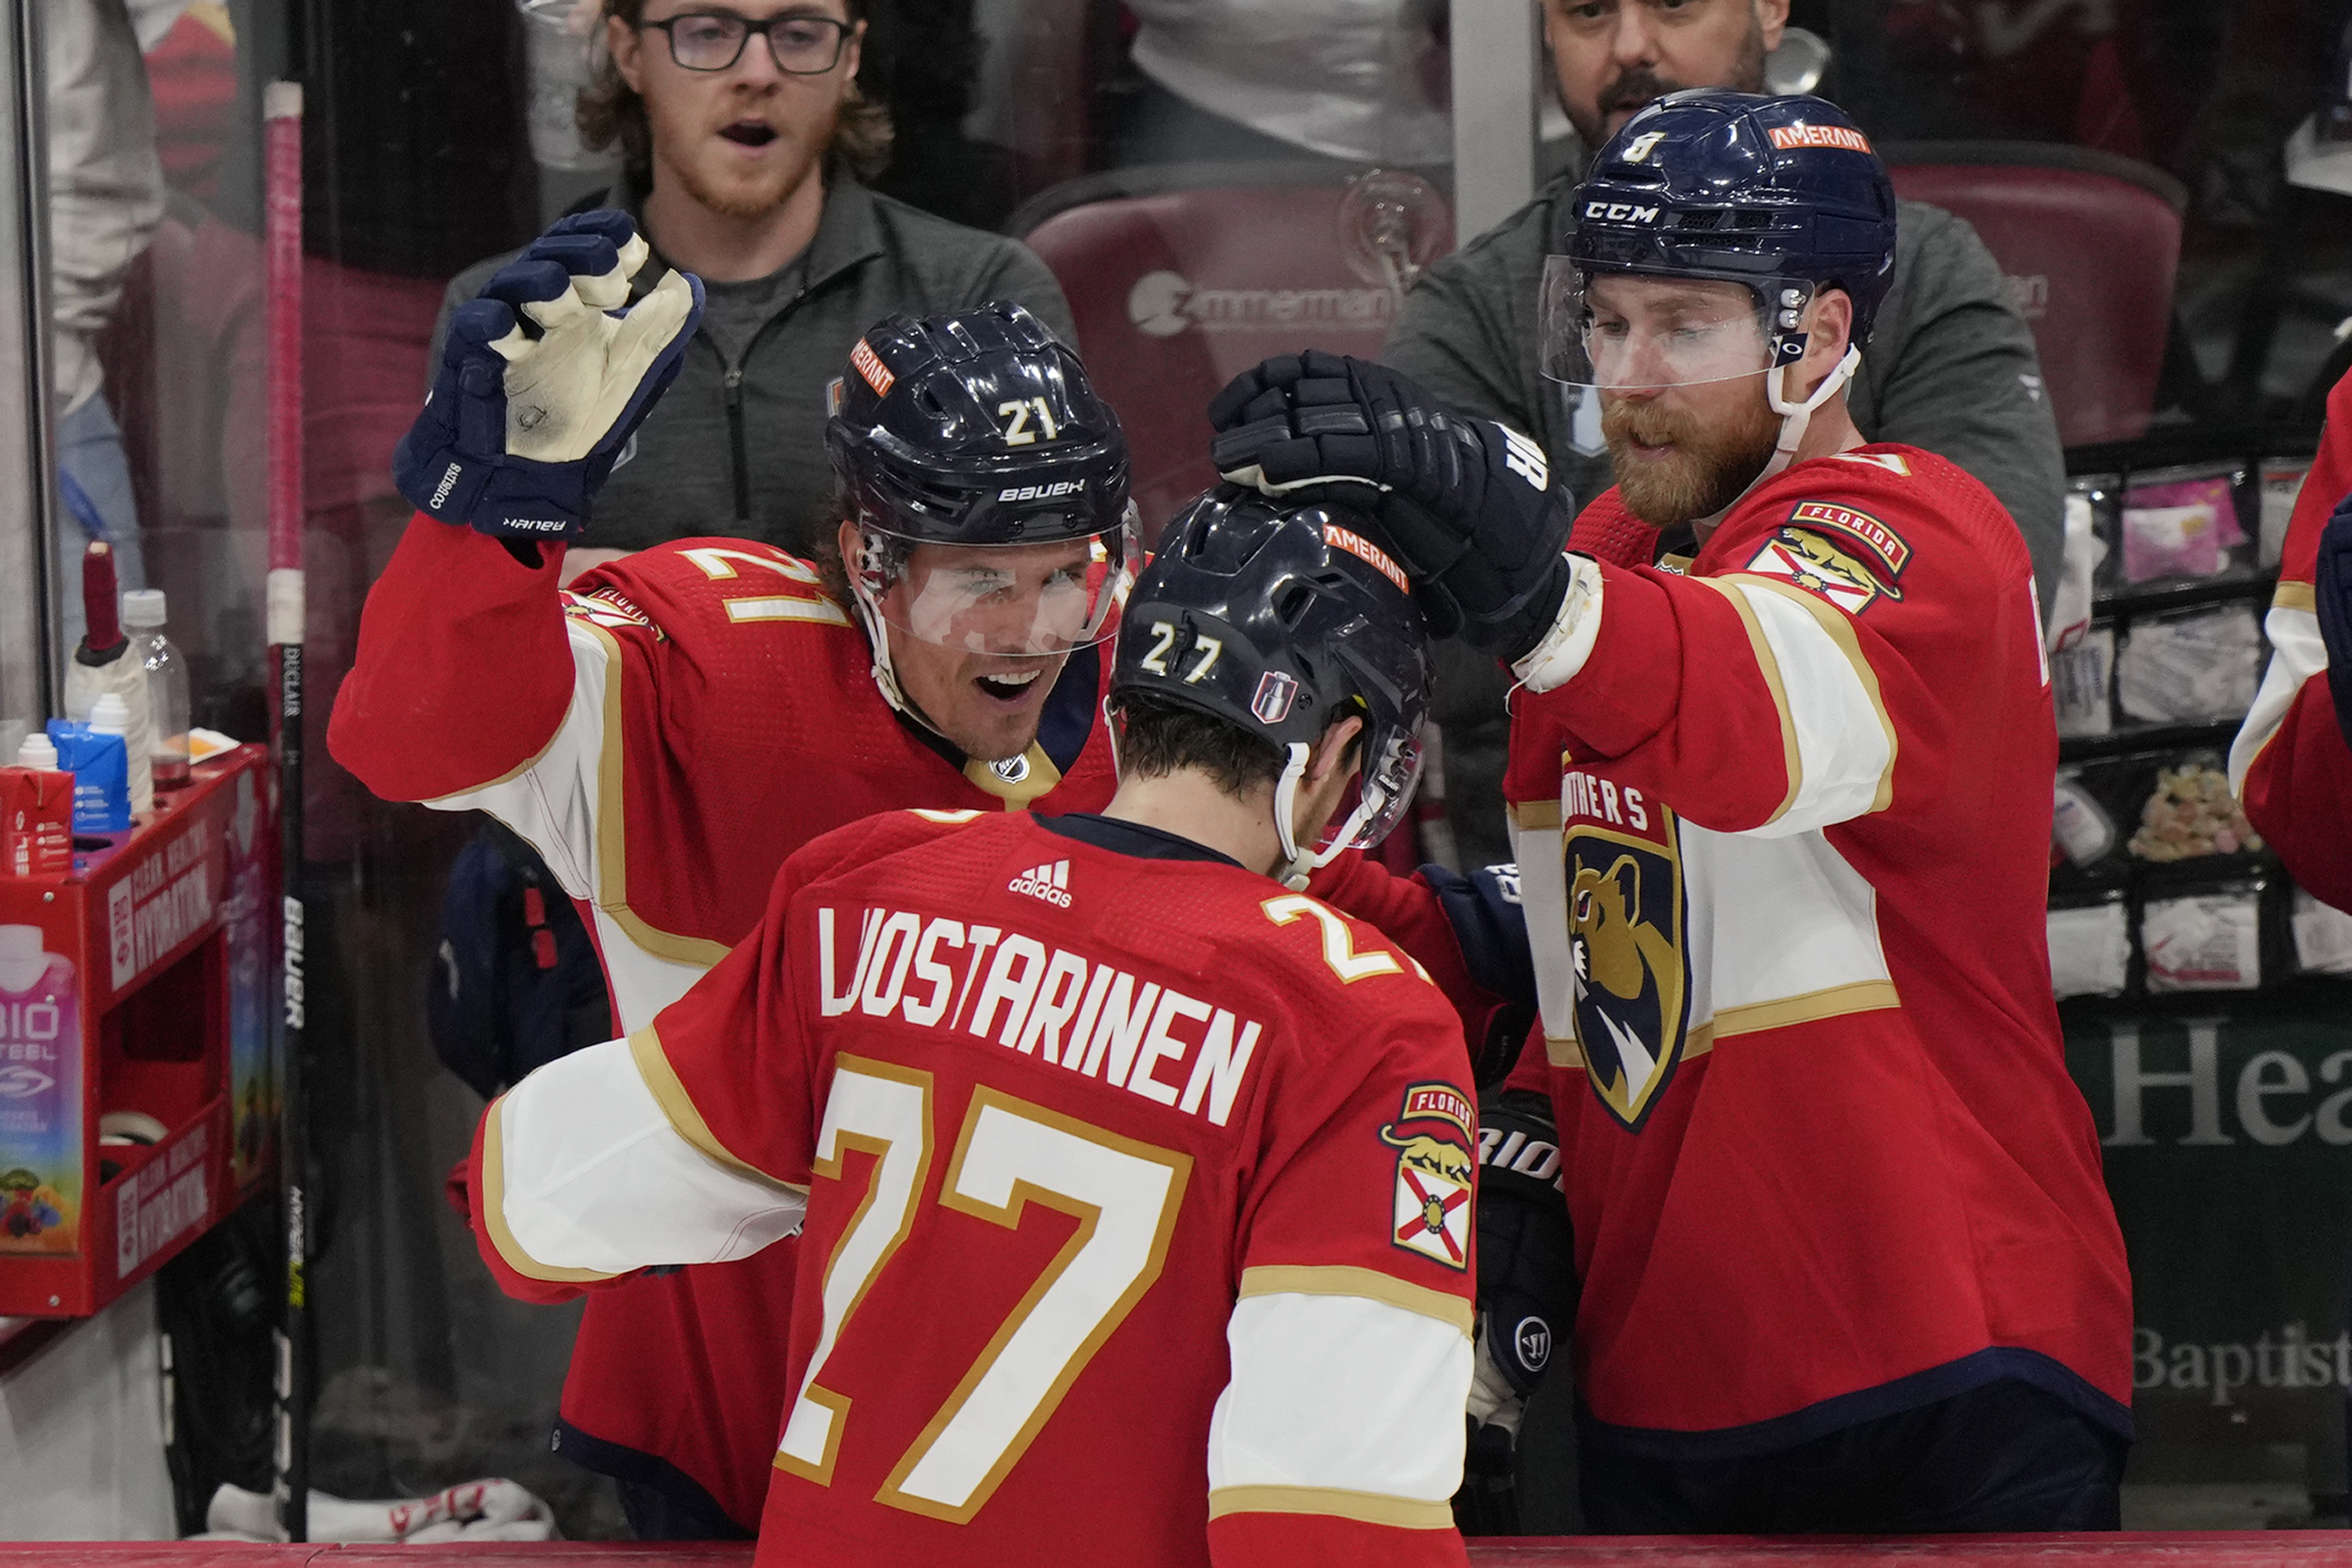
545 376
2332 591
1526 1256
1466 505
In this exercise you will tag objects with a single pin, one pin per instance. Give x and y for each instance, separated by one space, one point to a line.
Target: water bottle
167 685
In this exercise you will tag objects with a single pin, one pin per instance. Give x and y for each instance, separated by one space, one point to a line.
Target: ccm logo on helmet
1043 492
1621 211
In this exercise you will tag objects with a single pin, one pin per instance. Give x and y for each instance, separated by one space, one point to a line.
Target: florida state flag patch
1432 1135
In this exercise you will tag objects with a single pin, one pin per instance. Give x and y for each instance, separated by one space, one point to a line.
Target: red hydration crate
152 994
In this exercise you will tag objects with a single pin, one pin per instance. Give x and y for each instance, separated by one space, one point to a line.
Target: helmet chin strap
1796 417
1298 865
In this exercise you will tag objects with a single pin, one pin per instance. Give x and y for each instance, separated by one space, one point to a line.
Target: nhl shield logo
1632 980
1276 694
1434 1173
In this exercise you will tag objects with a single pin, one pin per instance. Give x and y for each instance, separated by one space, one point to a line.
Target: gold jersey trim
1367 1283
612 835
669 1093
494 1211
1754 1017
2296 596
1336 1502
1839 629
1768 664
1537 815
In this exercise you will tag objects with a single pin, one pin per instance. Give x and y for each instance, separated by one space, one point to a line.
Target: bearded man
742 136
1952 364
1780 760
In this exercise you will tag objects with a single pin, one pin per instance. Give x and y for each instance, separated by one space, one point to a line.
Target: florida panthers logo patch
1848 557
1431 1134
1631 978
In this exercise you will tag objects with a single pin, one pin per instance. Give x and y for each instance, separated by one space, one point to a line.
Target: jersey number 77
1125 1195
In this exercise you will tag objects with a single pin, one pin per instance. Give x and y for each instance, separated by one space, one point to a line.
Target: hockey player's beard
1708 466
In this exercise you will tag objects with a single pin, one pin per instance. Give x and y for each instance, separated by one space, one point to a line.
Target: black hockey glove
1466 505
1527 1255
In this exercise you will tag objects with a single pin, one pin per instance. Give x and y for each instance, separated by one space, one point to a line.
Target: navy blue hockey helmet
1783 194
977 431
977 427
1282 618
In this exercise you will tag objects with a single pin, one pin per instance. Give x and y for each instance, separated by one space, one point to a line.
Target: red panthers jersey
1782 854
2290 765
666 735
1138 1200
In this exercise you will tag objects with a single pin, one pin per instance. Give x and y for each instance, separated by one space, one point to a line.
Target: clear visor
1619 333
1395 772
1015 600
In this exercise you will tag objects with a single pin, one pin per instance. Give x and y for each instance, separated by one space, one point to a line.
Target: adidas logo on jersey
1050 882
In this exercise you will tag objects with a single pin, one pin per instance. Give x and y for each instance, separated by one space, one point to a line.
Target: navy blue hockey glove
1526 1256
544 377
1466 505
2332 590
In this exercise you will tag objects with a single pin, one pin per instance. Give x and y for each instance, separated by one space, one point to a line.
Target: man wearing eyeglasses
742 135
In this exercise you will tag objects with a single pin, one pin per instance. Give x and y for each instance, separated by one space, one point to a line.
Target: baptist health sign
2228 1144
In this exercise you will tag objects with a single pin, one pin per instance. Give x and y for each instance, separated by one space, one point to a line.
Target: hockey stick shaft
282 267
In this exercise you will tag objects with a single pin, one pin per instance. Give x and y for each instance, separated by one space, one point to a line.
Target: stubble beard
756 197
1711 468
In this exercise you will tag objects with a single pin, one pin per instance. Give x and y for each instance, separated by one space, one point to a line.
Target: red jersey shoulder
743 645
690 588
852 852
1339 976
2323 487
1870 526
1607 531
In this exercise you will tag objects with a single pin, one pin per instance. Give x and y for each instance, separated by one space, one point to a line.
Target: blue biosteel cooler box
138 1093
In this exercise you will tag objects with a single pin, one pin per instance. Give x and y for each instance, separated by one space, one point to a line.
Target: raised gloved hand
1526 1259
545 376
1466 505
2332 593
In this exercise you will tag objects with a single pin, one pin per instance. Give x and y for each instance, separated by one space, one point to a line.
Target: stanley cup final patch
1433 1134
1848 557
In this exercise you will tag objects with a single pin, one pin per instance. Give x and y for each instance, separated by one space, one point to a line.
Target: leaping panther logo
1625 937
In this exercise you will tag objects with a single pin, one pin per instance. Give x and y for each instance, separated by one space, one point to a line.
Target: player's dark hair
609 111
1158 737
825 549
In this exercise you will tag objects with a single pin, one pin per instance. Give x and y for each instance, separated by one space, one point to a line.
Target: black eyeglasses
714 40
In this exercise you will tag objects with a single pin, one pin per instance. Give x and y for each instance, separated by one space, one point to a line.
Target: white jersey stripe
1844 740
593 1176
2297 654
1299 1413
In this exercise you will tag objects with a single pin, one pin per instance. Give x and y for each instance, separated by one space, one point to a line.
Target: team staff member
1780 775
2290 765
668 732
1952 365
1250 1114
743 134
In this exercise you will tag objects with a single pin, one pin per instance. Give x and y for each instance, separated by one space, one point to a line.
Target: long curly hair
611 112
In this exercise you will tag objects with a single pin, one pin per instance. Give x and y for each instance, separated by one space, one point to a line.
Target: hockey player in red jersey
1780 778
667 732
1138 1186
2291 765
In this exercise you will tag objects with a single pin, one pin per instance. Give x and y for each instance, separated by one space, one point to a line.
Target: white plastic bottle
167 685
